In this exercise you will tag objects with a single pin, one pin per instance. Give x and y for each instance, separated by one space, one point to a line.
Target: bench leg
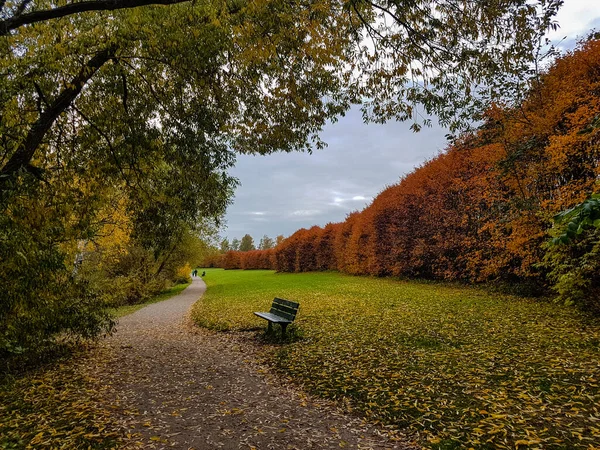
270 327
283 327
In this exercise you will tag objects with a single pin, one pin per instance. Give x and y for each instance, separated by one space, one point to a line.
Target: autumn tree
232 260
355 250
306 260
256 259
285 254
324 248
342 236
279 239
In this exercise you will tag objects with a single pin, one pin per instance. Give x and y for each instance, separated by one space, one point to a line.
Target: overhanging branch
24 154
13 23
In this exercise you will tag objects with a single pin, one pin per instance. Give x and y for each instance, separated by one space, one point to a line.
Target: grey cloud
299 190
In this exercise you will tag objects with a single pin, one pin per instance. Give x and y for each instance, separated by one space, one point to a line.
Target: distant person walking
195 273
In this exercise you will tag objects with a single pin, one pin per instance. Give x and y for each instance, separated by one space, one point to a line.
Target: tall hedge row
482 209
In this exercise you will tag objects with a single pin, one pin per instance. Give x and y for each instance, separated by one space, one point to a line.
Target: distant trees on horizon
246 244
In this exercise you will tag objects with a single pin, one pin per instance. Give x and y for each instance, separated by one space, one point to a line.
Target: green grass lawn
165 295
457 366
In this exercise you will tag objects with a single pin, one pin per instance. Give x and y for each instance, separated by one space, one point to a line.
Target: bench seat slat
282 315
272 317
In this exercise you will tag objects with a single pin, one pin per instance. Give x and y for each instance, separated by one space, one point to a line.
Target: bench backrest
284 308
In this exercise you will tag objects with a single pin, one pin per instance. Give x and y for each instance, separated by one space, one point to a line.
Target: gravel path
177 386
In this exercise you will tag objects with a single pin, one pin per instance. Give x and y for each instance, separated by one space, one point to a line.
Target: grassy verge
459 367
165 295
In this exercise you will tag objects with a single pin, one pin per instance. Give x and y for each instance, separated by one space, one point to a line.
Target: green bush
43 301
574 270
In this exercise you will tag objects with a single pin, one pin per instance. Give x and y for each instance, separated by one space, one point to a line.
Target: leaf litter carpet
174 385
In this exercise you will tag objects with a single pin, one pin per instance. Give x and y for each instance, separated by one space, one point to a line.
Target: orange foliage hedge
482 209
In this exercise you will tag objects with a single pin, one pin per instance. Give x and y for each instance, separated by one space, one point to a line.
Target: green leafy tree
577 220
266 243
225 246
247 243
43 303
235 244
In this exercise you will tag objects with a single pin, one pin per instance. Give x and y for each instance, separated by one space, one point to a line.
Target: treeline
246 244
483 209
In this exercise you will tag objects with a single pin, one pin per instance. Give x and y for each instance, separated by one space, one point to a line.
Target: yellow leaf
527 442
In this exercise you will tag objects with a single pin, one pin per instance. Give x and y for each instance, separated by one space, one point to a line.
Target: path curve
178 386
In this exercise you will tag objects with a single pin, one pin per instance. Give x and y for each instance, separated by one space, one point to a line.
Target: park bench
282 312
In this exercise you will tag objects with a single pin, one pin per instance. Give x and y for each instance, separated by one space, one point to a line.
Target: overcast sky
281 193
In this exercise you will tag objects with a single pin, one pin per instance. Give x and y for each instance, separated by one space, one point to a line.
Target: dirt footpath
177 386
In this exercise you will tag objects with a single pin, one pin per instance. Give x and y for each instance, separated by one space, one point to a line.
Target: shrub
574 270
183 274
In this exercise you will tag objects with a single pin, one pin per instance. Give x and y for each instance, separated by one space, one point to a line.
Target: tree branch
74 8
111 148
412 32
24 154
22 7
41 97
124 81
